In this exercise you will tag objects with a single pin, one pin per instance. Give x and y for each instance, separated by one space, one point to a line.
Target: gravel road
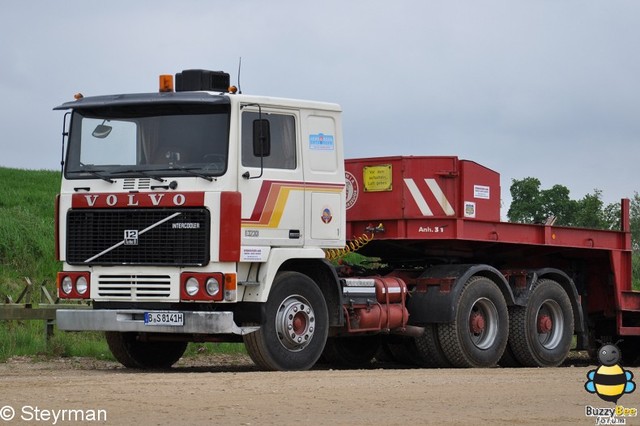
228 390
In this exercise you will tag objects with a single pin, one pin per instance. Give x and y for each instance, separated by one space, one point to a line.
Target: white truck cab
179 212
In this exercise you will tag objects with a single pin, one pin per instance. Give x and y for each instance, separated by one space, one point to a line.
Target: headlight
81 285
213 286
67 285
192 286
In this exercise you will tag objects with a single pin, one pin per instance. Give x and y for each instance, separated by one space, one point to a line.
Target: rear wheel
351 352
478 335
294 325
429 350
131 352
403 350
541 332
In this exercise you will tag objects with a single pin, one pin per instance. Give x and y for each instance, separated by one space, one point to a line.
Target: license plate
175 319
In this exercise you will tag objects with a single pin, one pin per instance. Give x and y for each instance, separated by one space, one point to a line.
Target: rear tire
478 335
541 332
351 352
134 353
294 325
429 350
403 350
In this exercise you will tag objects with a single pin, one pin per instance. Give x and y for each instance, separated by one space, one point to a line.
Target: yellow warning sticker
377 178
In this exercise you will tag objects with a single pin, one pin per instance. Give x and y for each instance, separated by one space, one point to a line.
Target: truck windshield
161 140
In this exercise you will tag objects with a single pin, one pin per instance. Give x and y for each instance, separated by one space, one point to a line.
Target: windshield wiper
190 170
139 172
97 173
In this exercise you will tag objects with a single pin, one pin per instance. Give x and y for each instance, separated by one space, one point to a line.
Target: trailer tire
294 326
541 332
351 352
429 350
478 335
133 353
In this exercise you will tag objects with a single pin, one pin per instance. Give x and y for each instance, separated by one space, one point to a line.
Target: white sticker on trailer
482 192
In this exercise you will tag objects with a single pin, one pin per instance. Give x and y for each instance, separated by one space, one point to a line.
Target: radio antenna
239 68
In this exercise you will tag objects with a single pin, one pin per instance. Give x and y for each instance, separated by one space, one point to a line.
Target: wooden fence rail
26 308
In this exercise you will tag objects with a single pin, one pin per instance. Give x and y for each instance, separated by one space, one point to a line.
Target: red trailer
435 222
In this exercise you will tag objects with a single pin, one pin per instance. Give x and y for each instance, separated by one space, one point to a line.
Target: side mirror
101 131
261 138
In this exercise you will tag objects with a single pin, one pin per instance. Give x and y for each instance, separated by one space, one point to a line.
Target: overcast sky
549 89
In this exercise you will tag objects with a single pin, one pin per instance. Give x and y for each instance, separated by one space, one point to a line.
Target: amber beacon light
166 83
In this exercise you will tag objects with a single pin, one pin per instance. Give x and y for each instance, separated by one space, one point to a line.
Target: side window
283 141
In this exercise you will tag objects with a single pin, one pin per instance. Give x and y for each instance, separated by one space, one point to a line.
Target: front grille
138 237
134 287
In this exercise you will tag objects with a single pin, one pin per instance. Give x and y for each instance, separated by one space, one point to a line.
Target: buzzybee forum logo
610 381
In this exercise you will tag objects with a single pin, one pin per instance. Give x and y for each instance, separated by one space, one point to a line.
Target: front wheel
478 335
132 352
294 325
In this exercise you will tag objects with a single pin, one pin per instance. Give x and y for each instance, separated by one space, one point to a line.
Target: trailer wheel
131 352
429 350
351 352
294 325
478 335
540 333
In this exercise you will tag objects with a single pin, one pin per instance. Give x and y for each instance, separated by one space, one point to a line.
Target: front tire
132 352
478 335
294 326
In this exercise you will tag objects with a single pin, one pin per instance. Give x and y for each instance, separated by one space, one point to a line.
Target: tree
530 204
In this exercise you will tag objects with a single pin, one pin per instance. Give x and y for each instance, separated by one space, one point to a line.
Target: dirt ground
228 390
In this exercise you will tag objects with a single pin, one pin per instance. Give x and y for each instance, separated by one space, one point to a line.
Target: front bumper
133 321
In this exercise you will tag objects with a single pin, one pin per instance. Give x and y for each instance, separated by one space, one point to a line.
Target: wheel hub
477 323
550 324
545 324
295 323
483 323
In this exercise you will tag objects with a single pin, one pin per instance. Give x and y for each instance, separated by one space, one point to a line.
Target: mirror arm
247 175
64 134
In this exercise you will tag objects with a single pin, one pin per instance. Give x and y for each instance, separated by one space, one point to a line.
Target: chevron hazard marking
418 198
442 199
437 193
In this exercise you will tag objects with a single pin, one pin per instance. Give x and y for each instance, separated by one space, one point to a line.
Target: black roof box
193 80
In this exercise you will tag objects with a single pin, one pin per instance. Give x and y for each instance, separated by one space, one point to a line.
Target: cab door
271 177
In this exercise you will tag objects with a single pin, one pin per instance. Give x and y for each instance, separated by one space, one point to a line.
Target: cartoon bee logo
609 381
